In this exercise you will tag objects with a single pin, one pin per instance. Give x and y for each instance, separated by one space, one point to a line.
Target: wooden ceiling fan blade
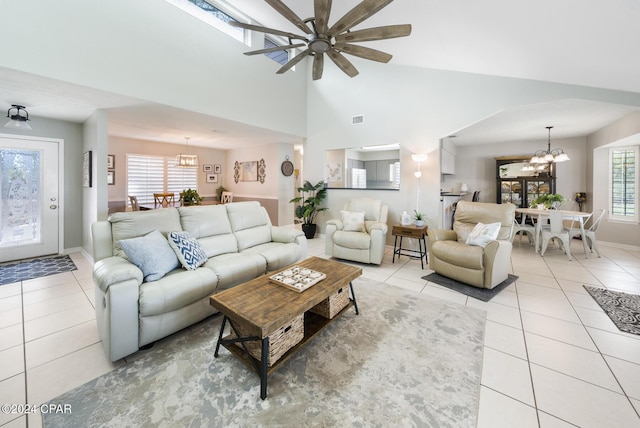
376 33
267 30
293 61
322 9
343 63
363 52
275 49
318 66
358 14
289 14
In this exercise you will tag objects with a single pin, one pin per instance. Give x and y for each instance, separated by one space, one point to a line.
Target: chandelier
185 160
548 156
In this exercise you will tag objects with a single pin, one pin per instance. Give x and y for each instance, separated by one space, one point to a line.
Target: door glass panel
20 182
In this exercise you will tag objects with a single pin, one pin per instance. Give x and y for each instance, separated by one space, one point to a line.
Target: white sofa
240 244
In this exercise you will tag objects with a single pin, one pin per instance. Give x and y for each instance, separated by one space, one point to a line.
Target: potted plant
191 197
550 200
419 217
309 202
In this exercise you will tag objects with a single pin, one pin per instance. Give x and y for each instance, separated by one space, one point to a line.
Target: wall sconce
16 119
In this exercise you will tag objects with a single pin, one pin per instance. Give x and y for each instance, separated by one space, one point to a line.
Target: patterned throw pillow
353 221
483 233
151 254
188 250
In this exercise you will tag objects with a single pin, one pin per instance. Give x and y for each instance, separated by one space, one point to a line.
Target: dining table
176 204
540 214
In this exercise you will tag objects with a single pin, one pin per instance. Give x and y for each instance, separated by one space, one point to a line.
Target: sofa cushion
458 254
277 254
188 250
483 233
152 254
236 268
352 221
177 289
125 225
250 223
356 240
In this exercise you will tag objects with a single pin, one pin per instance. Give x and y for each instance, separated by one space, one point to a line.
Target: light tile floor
552 358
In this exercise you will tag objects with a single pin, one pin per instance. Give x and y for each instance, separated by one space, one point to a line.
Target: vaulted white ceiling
581 42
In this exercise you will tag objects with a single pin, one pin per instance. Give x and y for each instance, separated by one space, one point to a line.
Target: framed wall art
217 169
111 178
86 169
212 178
248 171
111 161
207 168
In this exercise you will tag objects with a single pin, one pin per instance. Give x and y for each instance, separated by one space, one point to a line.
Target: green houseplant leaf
309 201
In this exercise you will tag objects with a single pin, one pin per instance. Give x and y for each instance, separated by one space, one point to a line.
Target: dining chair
590 234
164 199
226 197
524 229
557 230
134 203
476 196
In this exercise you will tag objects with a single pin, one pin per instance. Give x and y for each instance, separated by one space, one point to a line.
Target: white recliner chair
361 232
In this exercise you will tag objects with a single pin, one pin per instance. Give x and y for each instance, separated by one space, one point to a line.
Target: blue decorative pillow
188 250
152 254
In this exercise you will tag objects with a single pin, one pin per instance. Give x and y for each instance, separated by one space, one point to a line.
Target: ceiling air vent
357 120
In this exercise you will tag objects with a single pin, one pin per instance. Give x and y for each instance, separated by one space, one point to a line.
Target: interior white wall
476 166
153 51
94 198
624 131
120 147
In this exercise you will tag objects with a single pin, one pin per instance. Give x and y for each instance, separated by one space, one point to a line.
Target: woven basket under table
280 341
330 306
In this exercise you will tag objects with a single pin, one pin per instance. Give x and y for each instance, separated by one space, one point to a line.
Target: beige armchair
483 267
361 232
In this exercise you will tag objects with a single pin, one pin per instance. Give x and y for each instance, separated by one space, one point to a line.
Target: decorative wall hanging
207 168
111 178
217 168
86 169
111 161
236 171
286 167
262 171
212 178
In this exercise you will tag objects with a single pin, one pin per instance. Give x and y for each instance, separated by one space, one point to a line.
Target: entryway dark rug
622 308
35 268
483 294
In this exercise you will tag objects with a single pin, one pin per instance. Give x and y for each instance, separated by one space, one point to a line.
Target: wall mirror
373 167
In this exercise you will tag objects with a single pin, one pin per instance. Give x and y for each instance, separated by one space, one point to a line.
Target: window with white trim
623 180
147 175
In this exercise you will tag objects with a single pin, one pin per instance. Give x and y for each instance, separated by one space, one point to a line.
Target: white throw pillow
352 221
483 233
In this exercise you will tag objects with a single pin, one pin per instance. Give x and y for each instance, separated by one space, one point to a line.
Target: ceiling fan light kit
320 39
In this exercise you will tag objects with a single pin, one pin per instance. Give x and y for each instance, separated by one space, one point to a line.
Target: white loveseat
239 242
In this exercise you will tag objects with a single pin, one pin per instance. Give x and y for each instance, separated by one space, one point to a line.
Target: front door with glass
29 205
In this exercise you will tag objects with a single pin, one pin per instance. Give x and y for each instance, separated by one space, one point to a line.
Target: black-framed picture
217 169
111 177
207 168
86 169
212 178
111 161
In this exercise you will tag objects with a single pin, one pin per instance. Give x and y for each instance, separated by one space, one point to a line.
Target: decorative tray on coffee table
297 278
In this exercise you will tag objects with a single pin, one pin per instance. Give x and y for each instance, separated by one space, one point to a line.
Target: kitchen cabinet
520 185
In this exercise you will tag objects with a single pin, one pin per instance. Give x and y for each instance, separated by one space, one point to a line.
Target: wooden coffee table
262 307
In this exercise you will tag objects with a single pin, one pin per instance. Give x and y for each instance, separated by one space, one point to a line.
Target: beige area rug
406 360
